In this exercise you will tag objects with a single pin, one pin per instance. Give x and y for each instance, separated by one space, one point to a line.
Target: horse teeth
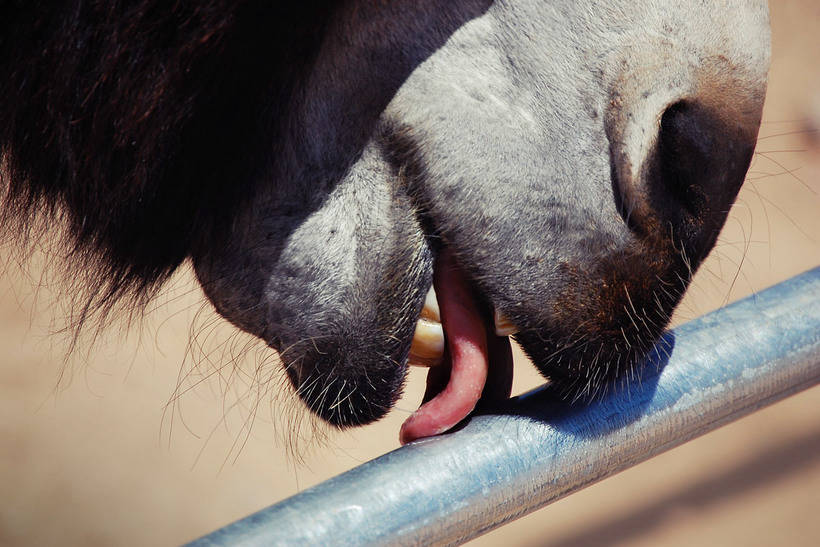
430 310
503 326
427 347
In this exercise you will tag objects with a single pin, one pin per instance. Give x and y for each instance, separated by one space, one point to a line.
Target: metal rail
505 464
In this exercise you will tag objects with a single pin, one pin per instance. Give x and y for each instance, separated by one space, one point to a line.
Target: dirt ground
93 454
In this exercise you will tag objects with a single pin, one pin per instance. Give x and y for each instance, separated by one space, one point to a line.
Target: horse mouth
469 356
428 344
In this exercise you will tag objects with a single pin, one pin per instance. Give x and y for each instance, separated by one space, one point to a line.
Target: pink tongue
467 346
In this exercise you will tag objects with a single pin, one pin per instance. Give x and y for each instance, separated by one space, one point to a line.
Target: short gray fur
507 463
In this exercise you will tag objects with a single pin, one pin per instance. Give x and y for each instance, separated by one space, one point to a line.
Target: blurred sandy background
92 454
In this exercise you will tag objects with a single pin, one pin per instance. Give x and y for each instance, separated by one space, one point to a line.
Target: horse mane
142 126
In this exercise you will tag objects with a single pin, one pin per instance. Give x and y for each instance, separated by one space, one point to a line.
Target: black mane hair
142 125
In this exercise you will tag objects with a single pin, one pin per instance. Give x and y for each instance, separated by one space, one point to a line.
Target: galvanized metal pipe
514 460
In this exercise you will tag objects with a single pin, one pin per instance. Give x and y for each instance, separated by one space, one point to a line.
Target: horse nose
683 181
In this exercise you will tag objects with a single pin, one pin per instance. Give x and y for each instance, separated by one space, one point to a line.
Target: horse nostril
676 175
699 163
686 146
690 177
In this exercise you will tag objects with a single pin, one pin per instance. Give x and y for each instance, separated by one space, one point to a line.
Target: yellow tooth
430 310
427 347
503 326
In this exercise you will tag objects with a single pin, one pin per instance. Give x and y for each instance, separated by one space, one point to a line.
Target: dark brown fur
142 126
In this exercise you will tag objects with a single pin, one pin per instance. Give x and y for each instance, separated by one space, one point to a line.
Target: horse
368 185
